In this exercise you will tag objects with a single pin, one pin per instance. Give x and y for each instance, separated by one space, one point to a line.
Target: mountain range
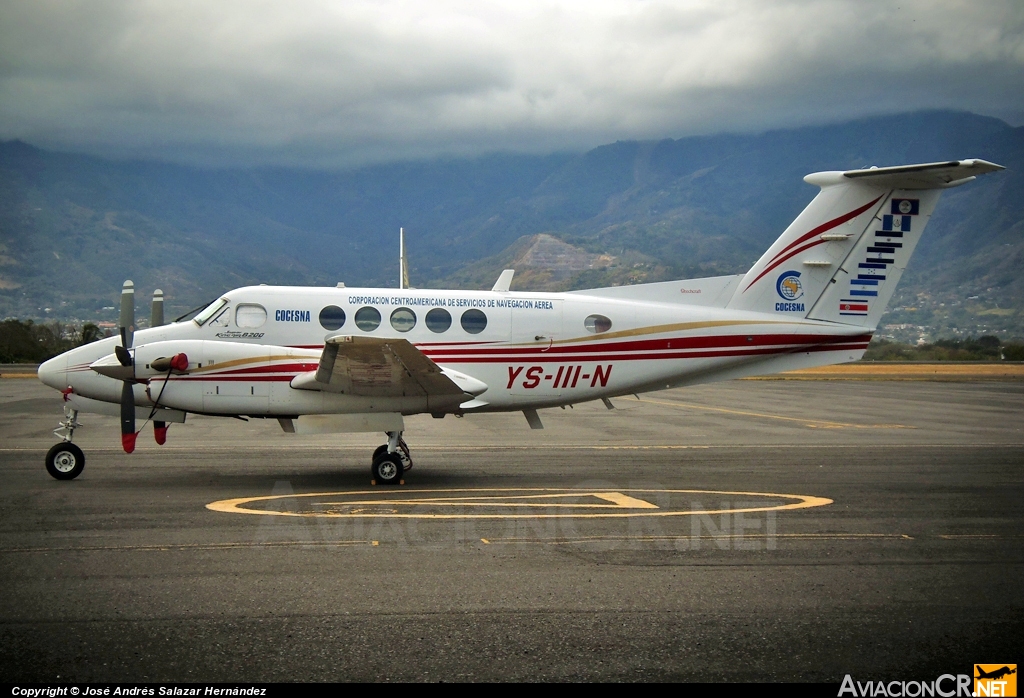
73 227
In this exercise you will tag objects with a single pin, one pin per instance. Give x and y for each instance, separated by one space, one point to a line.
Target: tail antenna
403 265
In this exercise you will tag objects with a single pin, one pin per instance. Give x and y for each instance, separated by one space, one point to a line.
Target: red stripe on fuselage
854 343
542 358
270 368
674 343
236 379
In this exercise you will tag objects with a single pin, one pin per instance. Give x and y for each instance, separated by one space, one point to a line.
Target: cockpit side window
221 319
211 310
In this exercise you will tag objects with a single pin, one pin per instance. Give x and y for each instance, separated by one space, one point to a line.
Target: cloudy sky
328 83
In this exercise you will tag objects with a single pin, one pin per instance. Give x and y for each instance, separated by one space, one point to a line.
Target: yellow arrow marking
622 500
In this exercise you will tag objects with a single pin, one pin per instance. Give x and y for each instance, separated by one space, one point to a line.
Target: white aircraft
346 359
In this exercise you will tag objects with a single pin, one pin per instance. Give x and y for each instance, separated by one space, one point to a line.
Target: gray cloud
328 83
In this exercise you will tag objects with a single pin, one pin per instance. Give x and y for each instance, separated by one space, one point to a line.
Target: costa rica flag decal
853 307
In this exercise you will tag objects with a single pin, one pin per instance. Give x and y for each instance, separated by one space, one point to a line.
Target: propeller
178 362
127 328
156 318
122 367
157 312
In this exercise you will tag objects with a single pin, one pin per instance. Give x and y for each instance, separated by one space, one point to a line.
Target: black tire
387 469
65 461
403 452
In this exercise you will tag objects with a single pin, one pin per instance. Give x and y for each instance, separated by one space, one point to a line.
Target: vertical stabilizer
861 287
791 276
841 259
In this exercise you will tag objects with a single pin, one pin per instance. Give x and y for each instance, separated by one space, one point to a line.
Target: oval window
367 319
438 320
250 315
403 319
474 321
332 317
597 323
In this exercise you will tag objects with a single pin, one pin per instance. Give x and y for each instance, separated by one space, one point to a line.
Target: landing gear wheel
65 461
387 469
403 453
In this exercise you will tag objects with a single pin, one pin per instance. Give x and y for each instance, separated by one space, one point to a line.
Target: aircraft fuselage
530 349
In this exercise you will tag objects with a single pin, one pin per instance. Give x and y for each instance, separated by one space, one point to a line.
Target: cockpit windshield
210 311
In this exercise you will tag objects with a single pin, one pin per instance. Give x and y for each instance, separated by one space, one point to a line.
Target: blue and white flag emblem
906 207
901 223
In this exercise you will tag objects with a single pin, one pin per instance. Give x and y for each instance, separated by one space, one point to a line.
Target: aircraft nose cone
54 372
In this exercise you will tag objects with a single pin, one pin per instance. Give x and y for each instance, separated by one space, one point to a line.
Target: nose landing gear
65 460
391 460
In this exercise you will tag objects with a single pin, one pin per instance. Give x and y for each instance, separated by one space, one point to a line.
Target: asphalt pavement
743 531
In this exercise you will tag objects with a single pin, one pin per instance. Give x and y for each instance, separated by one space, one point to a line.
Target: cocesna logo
789 286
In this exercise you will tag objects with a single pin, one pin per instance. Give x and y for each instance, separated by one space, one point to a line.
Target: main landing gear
391 460
65 461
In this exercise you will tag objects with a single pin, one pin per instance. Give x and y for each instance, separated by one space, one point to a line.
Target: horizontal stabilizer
932 175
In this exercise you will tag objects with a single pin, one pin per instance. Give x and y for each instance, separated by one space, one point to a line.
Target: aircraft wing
379 367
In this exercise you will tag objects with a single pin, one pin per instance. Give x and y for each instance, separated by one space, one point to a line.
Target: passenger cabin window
367 319
210 311
403 319
250 315
597 323
332 317
474 321
438 320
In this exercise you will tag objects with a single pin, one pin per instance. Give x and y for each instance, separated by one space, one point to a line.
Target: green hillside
73 227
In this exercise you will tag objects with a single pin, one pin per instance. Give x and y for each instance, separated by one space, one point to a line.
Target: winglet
504 281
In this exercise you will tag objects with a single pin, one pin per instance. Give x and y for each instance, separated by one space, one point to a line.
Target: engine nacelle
196 357
208 376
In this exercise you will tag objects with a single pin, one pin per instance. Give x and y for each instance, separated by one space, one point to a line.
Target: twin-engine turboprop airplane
347 359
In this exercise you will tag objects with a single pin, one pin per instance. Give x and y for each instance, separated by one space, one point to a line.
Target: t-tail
843 256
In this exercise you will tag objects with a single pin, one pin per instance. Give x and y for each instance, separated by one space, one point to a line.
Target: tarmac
740 531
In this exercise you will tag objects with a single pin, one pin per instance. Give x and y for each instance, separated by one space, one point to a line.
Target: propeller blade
127 319
156 317
123 355
128 434
160 432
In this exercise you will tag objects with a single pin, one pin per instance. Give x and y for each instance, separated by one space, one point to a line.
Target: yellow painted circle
521 503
